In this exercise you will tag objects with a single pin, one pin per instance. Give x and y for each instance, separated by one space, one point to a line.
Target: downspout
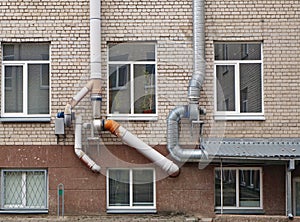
192 110
289 205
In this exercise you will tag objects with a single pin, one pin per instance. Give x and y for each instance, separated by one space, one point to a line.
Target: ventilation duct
94 87
192 110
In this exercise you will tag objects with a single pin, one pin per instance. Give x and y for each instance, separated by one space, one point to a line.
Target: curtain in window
13 195
24 189
35 189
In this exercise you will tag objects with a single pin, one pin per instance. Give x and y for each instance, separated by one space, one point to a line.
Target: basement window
238 190
238 81
25 82
24 191
131 191
132 81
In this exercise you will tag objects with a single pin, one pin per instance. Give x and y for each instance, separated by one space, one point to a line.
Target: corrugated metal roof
253 149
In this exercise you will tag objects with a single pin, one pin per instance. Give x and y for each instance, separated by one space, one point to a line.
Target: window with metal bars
23 189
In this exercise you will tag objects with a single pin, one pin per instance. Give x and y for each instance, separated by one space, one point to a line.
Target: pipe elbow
111 126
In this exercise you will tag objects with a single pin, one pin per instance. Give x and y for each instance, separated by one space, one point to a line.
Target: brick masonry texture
65 24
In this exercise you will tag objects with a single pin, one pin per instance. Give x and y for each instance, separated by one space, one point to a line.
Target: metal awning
259 149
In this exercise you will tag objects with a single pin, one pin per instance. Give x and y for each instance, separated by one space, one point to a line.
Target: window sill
240 211
23 211
131 211
150 117
246 116
25 119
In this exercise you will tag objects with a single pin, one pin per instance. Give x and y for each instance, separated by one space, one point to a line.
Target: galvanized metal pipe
190 111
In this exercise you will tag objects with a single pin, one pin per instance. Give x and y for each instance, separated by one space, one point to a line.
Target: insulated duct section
133 141
192 110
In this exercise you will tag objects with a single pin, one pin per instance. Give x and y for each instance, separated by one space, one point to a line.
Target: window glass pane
13 194
119 188
35 189
143 188
119 88
144 90
249 188
217 187
131 52
237 51
25 51
229 187
38 89
250 88
13 95
225 88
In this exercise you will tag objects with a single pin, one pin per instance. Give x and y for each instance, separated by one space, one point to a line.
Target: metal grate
23 189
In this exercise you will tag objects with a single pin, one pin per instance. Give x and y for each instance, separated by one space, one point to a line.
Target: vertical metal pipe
95 38
221 174
192 110
289 207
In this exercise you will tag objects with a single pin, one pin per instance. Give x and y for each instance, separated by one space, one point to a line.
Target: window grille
23 189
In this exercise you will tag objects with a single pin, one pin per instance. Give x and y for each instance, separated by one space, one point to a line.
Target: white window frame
237 115
132 115
131 208
237 169
24 64
23 207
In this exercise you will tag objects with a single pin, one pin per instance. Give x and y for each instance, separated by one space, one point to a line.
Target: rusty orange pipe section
111 126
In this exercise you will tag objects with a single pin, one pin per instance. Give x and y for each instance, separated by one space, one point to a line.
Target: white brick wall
66 25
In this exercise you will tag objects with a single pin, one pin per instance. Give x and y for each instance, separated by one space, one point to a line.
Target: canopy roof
260 149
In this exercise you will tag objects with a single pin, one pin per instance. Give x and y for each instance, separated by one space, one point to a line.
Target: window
238 81
25 80
238 188
132 80
23 190
131 190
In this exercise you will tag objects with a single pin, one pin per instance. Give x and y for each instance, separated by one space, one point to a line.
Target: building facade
249 138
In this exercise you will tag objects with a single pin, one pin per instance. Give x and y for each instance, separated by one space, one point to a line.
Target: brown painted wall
85 191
